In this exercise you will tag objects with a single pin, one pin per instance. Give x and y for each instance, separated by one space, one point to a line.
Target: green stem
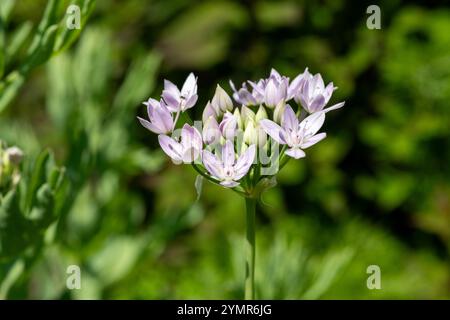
250 205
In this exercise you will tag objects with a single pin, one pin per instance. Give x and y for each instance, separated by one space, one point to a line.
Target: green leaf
133 90
37 178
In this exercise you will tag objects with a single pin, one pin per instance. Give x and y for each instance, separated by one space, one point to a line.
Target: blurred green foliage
375 192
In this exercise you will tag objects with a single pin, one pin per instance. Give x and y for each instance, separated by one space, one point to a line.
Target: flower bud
237 115
261 114
222 100
211 132
14 155
250 133
247 115
228 126
279 111
209 111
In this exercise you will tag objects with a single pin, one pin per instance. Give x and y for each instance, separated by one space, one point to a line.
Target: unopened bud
279 111
261 114
222 100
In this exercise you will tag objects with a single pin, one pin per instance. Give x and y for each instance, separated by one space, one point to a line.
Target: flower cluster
229 144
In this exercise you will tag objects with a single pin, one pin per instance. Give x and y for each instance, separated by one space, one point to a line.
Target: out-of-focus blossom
177 100
227 169
295 135
14 155
187 150
161 120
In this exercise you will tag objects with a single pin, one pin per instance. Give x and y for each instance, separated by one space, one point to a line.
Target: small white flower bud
278 112
247 115
222 100
261 114
237 115
250 133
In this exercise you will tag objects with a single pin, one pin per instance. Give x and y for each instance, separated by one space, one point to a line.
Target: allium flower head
229 142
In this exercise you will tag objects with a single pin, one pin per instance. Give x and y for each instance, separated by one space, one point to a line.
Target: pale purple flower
295 135
269 91
187 150
177 100
313 95
227 169
275 92
243 95
161 121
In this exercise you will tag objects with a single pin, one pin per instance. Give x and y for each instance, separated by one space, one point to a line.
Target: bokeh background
375 192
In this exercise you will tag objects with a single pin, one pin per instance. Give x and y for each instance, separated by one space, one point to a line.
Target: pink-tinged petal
228 155
164 118
295 86
303 100
258 87
229 184
209 111
171 100
151 104
318 83
228 126
311 124
191 137
328 92
191 154
170 87
190 86
282 90
289 122
273 130
244 162
270 94
212 164
317 104
295 153
313 140
172 148
334 107
150 126
274 74
190 102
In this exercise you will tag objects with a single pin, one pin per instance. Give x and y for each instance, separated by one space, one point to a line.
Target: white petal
244 162
313 140
228 155
273 130
190 86
295 153
172 148
334 107
212 164
311 124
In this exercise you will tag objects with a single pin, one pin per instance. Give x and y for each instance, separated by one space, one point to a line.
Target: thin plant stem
250 206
